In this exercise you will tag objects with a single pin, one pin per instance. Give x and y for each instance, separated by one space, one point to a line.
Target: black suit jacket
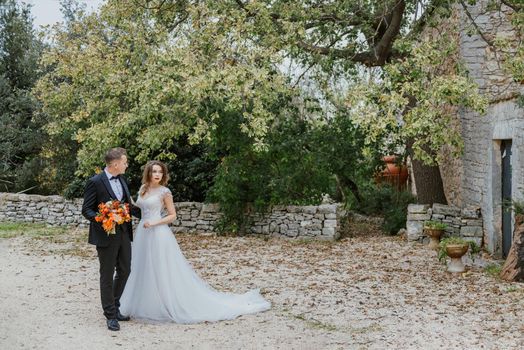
99 190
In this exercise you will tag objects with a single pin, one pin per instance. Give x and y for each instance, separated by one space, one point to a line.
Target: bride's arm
171 211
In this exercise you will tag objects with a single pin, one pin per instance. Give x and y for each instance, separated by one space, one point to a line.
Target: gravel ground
362 292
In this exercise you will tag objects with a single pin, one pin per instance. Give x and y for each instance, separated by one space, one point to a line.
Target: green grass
15 229
493 270
511 289
43 239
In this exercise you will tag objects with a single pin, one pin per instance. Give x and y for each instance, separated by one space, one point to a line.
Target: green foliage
493 270
517 207
415 101
140 86
198 84
510 47
435 225
206 100
21 137
473 249
410 100
386 201
298 166
121 78
14 229
249 179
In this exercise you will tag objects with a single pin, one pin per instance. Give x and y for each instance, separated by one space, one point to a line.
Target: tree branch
421 23
383 49
333 19
477 28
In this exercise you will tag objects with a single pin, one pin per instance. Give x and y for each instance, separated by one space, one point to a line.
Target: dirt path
358 293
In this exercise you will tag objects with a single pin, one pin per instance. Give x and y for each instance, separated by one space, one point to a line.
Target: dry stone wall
319 222
465 222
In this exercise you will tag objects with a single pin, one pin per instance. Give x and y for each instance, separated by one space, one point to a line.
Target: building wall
478 181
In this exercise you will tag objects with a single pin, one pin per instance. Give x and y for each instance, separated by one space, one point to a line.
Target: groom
114 251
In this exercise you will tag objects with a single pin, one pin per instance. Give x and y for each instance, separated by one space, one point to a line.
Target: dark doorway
505 148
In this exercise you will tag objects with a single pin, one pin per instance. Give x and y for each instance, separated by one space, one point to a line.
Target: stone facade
319 222
475 179
465 222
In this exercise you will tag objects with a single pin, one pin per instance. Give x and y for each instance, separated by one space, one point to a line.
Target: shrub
387 201
435 225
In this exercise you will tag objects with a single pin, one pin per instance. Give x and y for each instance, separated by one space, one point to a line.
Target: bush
385 200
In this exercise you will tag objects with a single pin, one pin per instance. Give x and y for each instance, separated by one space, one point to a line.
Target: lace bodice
152 204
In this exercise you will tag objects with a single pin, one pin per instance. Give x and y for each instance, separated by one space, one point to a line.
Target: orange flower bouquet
112 213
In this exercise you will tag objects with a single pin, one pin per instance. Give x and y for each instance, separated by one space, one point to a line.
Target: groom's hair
115 154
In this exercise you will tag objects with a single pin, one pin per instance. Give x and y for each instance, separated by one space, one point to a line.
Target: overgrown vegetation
21 137
386 201
200 85
493 270
473 248
517 207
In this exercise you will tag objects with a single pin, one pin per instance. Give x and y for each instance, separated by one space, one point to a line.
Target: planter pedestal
434 236
455 252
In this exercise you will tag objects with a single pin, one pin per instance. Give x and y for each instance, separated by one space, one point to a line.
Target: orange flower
112 213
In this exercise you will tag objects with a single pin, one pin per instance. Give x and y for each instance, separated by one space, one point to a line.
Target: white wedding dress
163 286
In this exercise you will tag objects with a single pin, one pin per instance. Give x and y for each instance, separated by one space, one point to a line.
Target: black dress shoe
112 324
121 317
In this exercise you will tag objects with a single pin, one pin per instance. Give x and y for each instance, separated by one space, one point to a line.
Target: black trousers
116 256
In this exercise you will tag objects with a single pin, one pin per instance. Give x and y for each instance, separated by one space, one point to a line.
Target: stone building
492 166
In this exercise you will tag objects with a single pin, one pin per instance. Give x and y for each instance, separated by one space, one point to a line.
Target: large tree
121 77
145 73
20 139
125 76
348 40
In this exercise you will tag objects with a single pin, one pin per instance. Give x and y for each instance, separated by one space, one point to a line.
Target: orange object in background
394 174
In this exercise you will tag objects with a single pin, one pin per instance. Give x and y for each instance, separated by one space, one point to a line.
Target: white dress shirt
116 185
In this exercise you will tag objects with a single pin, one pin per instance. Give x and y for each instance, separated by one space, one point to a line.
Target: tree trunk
428 183
513 269
343 182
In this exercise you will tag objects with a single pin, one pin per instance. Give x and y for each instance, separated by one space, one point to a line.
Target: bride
162 285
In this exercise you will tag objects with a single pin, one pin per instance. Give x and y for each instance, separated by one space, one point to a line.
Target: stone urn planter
455 248
455 252
434 230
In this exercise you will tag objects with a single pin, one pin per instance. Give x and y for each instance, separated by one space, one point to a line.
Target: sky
48 11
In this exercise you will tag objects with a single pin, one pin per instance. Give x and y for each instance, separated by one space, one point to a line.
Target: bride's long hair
148 174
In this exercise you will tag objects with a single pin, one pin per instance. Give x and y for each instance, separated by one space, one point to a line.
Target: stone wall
481 60
475 178
504 120
465 222
320 222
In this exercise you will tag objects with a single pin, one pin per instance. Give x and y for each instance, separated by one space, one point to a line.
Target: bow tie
114 177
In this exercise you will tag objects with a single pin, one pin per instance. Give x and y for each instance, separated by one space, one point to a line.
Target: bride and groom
157 284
